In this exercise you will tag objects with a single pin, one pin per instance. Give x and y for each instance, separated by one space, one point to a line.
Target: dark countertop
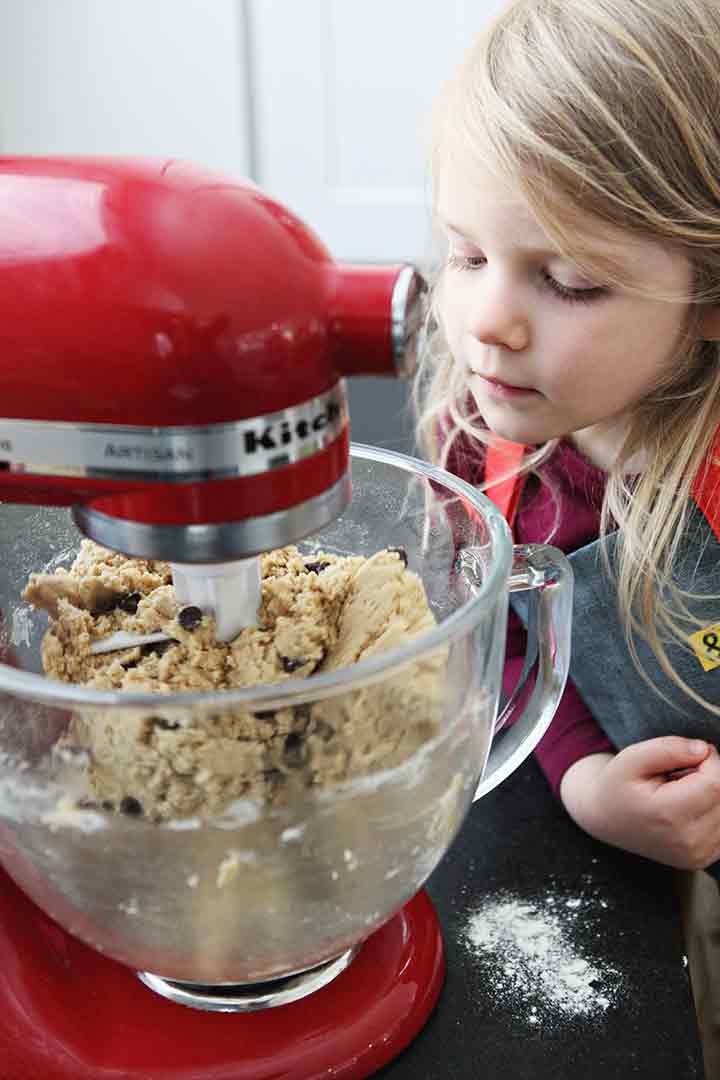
618 912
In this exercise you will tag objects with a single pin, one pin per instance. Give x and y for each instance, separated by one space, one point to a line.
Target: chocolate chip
401 553
129 602
104 603
130 806
294 750
190 617
291 664
302 713
268 714
316 567
319 661
156 648
324 730
165 725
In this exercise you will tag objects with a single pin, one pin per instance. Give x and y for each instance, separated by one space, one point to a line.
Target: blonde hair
609 111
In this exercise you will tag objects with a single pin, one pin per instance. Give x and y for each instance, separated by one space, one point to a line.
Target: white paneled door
341 94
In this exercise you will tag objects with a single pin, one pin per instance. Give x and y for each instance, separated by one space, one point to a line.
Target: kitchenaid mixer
172 360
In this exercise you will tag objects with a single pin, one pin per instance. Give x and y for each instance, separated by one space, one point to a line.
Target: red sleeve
573 732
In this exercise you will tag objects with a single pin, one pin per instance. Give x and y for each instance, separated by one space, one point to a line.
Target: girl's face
548 352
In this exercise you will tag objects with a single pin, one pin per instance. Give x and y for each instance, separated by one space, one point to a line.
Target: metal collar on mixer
214 542
408 313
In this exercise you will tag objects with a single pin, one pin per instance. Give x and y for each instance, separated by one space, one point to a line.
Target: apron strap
504 493
706 488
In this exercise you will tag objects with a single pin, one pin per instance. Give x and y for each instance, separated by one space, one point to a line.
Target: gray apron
622 703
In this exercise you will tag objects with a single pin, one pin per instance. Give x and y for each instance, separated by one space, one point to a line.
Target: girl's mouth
501 391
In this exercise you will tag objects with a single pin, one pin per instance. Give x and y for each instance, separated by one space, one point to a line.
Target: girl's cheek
448 320
441 299
454 307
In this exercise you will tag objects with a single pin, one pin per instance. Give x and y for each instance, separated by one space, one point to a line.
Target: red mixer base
69 1013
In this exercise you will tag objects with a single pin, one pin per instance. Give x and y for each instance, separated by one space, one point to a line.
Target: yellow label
706 644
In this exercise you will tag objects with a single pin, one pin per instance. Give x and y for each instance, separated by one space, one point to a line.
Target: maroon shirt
564 511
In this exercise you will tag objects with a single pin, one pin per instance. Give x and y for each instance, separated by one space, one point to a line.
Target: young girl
575 349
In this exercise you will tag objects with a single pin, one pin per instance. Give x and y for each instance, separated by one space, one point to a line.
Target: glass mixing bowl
264 891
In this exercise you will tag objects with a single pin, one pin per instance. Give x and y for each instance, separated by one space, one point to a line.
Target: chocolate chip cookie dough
318 613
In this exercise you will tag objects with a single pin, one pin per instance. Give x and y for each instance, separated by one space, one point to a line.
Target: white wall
162 77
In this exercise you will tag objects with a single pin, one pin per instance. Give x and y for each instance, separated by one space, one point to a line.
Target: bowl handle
545 574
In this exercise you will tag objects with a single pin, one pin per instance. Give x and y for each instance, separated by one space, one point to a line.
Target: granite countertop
618 1002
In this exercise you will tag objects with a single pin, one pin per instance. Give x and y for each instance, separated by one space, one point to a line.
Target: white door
341 99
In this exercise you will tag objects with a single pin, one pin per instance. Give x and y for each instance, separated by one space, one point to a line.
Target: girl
574 352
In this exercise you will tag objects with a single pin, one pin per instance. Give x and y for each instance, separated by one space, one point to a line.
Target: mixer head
172 351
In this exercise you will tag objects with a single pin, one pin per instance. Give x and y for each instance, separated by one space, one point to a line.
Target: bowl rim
290 692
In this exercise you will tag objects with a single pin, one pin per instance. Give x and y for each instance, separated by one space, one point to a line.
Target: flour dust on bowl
282 883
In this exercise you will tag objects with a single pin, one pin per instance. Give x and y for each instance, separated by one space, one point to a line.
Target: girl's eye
573 295
570 293
465 262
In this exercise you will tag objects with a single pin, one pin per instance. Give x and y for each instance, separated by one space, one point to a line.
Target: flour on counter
531 963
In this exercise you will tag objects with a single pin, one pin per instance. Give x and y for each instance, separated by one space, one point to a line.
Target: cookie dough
318 613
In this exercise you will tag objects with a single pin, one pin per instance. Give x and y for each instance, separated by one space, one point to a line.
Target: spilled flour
532 962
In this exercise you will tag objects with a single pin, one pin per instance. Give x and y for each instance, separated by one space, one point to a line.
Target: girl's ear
710 323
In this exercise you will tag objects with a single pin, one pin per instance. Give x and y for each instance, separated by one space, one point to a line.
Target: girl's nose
498 318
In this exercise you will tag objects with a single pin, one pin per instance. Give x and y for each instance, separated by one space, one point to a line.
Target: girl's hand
659 798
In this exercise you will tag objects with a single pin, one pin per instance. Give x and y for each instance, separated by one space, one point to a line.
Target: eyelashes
465 262
565 292
562 292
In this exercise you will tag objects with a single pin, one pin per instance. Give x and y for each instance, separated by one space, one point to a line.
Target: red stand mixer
178 381
172 351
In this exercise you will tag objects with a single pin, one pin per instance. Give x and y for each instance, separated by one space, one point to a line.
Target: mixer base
249 997
69 1013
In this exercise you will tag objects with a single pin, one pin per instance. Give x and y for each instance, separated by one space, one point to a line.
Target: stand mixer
173 351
